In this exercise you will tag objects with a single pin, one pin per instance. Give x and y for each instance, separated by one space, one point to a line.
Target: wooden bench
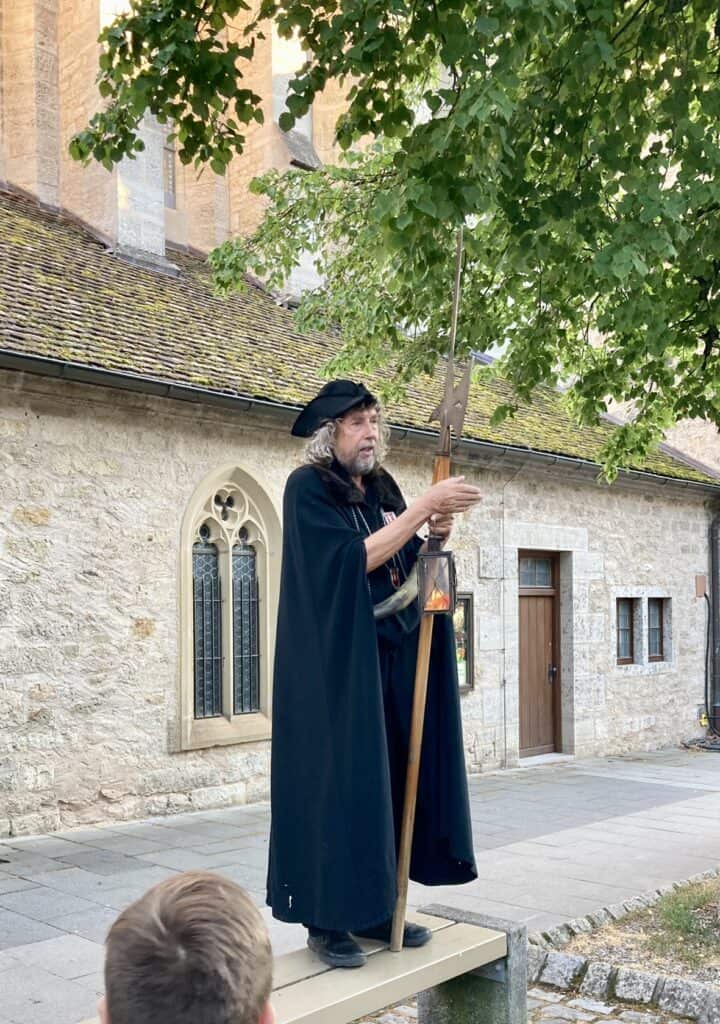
306 991
469 973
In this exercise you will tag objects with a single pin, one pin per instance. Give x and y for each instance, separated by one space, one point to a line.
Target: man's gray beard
360 467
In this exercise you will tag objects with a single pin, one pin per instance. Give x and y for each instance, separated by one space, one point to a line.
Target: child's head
193 950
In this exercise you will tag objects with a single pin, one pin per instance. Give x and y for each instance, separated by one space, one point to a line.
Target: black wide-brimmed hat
334 398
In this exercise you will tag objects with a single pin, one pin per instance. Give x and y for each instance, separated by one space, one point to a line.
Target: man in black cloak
343 689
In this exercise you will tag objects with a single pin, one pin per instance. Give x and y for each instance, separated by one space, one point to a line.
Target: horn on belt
400 599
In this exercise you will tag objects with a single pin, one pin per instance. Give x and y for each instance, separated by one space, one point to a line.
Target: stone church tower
48 67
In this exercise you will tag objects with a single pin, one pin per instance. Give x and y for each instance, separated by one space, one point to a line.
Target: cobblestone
564 1007
522 820
592 1006
565 1012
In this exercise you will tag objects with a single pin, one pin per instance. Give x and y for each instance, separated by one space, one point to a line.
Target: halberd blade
451 411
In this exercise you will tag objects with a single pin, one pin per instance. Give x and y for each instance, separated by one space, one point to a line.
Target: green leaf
576 141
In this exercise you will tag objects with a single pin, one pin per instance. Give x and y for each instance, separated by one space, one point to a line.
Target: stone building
145 445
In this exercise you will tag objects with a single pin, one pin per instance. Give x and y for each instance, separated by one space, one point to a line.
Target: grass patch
679 936
686 924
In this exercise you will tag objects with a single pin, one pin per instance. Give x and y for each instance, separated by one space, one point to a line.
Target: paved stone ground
546 1006
553 842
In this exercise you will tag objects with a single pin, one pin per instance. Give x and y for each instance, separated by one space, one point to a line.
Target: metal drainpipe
714 709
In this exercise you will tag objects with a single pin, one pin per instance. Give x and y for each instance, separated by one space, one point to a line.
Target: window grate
246 656
207 631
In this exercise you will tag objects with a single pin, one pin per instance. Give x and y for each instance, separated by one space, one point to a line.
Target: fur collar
344 492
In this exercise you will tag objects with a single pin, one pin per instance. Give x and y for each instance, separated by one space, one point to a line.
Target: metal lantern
436 579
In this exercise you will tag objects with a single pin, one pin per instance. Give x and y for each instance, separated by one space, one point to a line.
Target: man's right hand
450 497
442 499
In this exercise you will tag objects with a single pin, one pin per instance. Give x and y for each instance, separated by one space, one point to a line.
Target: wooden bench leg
496 994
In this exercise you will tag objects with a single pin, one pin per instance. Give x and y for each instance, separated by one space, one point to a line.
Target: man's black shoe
413 935
337 949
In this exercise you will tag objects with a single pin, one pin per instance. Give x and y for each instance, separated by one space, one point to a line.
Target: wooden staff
451 413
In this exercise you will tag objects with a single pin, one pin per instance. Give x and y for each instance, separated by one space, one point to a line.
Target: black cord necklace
395 567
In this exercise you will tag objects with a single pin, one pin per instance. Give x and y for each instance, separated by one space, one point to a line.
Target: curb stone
562 970
598 918
599 980
559 936
580 926
536 961
617 911
683 998
635 986
711 1010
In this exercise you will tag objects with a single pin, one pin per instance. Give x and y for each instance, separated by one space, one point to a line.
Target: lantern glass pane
436 585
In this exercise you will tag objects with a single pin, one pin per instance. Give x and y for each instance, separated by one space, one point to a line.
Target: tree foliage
577 140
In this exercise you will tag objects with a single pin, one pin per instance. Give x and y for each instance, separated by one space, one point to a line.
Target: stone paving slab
42 904
31 995
11 883
68 956
16 930
553 842
92 924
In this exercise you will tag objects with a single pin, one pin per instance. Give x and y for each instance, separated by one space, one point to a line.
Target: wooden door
539 655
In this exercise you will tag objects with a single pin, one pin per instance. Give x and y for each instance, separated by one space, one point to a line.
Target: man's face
356 440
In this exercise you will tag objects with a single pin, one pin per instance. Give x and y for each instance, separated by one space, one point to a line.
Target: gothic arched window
231 550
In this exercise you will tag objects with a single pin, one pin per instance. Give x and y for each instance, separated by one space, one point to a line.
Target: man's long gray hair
320 449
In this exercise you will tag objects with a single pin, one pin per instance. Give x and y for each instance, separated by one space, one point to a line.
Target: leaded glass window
246 668
229 577
207 620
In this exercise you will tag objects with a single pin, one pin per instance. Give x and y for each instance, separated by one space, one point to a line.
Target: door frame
554 592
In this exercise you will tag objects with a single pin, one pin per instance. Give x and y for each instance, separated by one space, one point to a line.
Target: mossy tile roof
64 297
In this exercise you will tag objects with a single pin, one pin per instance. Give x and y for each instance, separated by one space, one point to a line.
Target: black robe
341 718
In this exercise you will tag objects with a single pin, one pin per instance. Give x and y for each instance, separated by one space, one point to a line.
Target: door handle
552 673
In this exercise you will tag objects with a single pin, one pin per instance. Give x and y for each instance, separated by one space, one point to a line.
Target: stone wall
699 439
89 193
29 121
95 484
48 92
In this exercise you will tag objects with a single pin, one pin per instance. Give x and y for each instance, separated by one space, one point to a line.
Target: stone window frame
642 664
254 511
